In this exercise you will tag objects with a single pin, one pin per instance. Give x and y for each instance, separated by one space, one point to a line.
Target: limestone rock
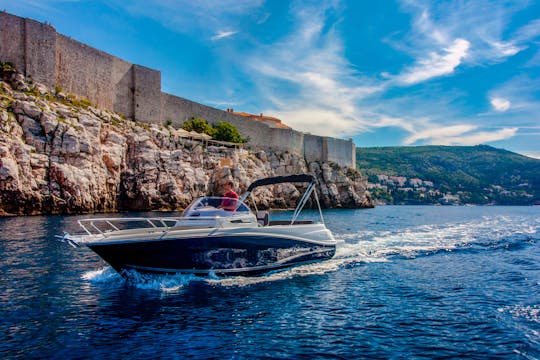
55 158
27 108
9 174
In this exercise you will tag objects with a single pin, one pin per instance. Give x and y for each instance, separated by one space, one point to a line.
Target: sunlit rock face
61 155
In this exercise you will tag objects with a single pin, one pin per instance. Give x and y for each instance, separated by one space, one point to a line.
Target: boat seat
263 218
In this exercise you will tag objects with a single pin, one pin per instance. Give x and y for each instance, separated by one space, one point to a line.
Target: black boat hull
220 255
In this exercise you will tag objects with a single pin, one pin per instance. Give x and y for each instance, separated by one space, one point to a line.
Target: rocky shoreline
61 155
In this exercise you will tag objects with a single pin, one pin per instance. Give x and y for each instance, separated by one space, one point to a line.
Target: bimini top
304 178
300 178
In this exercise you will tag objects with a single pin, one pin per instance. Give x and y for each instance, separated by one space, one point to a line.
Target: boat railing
103 226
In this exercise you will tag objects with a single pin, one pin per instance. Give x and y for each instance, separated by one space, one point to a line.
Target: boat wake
359 248
487 234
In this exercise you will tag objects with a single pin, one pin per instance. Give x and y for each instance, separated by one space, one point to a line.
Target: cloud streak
481 137
436 64
328 96
500 104
200 18
464 134
222 34
323 89
439 133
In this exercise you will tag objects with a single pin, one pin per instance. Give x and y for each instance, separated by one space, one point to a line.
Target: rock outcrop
60 155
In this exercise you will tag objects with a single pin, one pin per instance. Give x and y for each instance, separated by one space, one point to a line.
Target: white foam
527 312
297 271
103 275
408 242
164 283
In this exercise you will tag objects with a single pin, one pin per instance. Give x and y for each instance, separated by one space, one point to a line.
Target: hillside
450 174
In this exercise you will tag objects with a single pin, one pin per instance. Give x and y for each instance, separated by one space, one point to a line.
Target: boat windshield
214 206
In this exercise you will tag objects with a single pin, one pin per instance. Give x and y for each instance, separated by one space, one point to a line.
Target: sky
384 73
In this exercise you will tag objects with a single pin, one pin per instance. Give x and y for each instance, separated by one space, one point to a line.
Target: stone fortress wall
45 56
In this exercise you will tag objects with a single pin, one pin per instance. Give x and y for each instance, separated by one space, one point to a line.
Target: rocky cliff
59 154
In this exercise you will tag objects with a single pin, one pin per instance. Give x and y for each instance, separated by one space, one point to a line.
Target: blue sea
407 282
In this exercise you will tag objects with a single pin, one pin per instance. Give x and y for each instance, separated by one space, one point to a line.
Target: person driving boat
229 204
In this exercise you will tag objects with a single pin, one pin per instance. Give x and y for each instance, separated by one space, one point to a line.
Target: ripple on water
431 282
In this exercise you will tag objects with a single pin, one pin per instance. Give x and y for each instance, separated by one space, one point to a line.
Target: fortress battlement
111 83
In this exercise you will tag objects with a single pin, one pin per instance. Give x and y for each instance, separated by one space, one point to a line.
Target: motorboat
210 238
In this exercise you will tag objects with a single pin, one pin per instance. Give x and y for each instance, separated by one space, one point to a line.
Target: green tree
198 125
225 131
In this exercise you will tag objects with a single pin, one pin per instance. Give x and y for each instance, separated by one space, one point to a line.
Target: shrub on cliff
7 67
198 125
224 131
6 70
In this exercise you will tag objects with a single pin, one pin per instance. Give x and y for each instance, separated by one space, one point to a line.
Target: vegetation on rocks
198 125
9 75
7 67
225 131
222 131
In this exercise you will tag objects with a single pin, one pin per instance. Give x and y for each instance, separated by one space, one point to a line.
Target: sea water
406 282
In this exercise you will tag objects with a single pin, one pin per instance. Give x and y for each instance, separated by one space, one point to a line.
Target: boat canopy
304 178
299 178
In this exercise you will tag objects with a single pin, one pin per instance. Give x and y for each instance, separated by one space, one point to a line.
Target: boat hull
225 254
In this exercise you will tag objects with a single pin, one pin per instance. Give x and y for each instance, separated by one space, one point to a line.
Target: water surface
406 282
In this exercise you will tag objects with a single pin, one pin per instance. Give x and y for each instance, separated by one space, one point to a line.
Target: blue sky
384 73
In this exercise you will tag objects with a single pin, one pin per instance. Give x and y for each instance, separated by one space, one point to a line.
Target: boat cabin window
210 204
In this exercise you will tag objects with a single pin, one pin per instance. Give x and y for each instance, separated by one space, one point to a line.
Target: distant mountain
450 175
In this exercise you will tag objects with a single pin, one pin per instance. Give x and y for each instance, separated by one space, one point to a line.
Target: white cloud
426 27
308 72
522 89
459 135
528 32
307 81
390 121
436 64
223 34
310 84
506 48
500 104
319 121
438 133
437 24
480 137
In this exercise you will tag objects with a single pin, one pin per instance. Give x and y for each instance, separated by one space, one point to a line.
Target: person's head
228 185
